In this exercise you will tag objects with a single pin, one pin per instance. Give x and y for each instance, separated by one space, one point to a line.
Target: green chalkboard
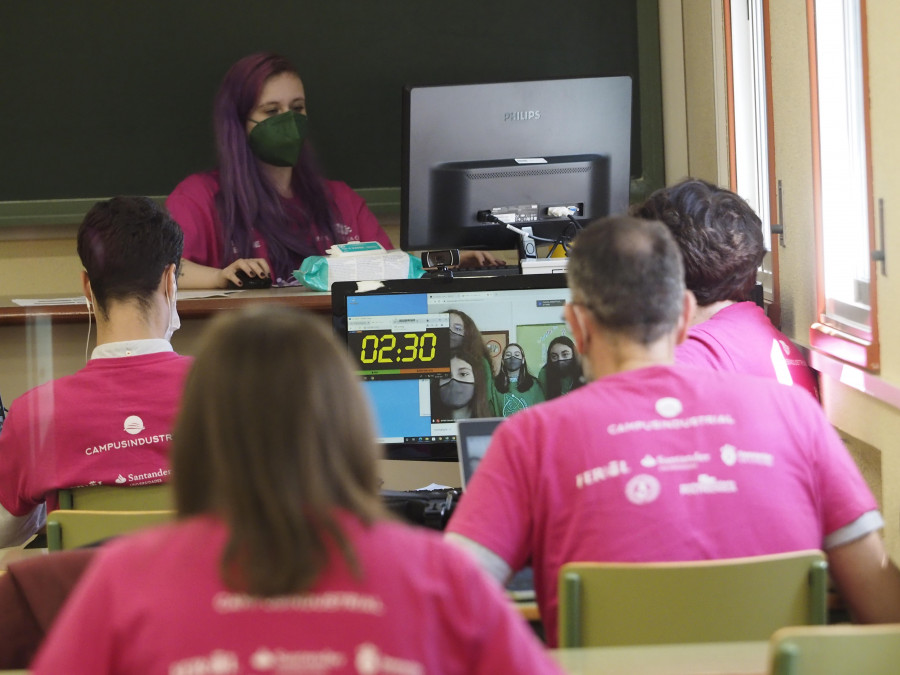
108 97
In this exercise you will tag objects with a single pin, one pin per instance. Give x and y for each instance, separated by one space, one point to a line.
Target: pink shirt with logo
155 604
665 463
741 339
110 423
192 205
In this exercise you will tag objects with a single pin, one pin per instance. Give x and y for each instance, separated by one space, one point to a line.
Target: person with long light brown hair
282 554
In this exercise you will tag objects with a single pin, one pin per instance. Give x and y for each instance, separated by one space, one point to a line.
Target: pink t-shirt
110 423
741 339
192 205
664 463
155 604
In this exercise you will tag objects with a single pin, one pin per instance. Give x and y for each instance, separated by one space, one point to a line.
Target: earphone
90 309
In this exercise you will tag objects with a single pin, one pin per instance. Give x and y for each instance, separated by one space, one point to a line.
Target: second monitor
536 154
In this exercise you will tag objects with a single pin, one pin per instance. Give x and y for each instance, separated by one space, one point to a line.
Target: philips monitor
538 154
429 350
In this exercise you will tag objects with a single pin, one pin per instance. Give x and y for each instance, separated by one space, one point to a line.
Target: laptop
472 439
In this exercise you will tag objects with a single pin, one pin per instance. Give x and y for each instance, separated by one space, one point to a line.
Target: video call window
422 372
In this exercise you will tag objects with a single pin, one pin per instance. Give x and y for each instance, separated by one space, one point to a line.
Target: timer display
395 352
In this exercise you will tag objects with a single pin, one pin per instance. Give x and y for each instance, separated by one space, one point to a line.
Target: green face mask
277 140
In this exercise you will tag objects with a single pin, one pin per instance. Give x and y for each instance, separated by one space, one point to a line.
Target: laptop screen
428 350
472 441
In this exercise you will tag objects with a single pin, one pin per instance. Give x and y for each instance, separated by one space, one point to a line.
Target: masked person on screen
283 557
462 395
562 371
466 337
516 388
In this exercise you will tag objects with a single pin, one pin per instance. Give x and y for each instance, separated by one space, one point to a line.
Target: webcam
441 258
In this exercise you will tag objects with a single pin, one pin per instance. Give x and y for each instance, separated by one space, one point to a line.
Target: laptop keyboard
496 271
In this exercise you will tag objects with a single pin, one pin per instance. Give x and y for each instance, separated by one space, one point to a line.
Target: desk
41 343
314 301
710 658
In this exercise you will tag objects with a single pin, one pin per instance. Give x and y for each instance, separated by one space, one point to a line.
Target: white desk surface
713 658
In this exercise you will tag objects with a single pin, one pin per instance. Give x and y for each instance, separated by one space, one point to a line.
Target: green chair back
728 600
155 497
72 529
836 650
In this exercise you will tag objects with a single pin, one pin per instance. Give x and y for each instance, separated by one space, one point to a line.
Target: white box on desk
544 266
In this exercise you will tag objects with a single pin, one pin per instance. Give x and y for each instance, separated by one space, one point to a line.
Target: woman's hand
194 275
479 259
254 267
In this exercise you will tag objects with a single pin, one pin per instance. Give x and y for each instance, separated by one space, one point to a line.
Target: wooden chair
704 601
71 529
155 497
836 650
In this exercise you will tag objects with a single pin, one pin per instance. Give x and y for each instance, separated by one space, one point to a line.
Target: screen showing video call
430 353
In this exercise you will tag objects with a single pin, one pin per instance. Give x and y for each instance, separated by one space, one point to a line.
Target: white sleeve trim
490 562
868 522
16 530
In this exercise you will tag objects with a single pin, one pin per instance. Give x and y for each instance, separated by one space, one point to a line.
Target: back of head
627 272
261 442
125 245
719 234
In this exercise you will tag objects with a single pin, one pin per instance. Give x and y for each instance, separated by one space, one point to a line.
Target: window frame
859 348
769 209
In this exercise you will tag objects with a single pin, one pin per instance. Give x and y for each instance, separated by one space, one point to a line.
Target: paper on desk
41 302
385 265
433 486
79 299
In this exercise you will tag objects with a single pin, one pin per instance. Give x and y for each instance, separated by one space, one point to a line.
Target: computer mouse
250 283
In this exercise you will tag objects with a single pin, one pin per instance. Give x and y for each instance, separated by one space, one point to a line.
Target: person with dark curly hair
721 242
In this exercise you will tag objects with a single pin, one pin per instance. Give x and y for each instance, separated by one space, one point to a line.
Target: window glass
843 175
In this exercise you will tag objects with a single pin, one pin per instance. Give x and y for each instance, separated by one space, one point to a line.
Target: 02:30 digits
396 348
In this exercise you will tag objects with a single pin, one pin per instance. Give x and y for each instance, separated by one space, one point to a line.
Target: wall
34 267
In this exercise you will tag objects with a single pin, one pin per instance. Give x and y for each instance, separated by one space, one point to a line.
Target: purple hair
247 199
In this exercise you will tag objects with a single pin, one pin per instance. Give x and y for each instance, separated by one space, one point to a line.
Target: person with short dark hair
283 557
110 422
722 245
653 461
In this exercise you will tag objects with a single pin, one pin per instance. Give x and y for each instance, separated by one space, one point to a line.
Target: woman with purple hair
266 207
